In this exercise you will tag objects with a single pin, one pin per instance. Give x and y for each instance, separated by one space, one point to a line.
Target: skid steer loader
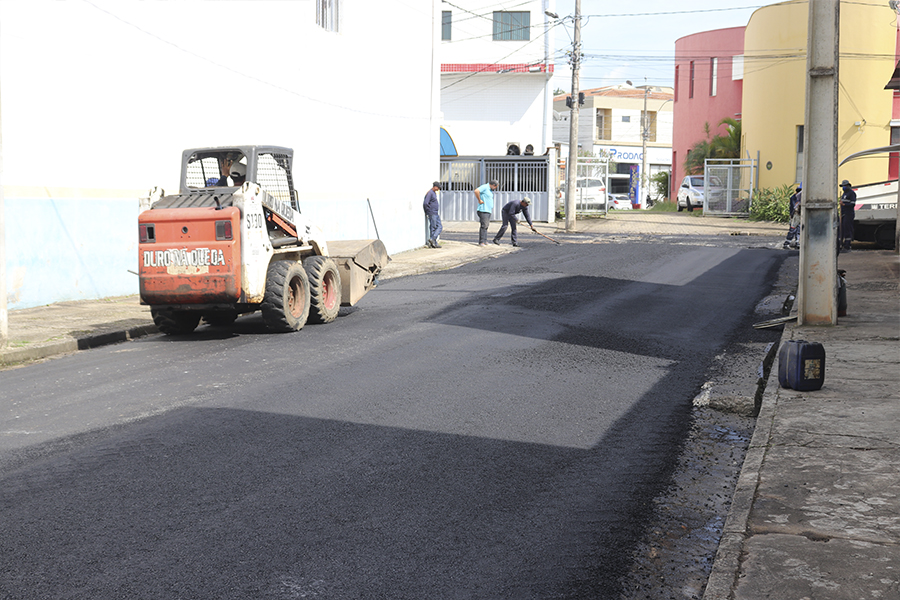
233 241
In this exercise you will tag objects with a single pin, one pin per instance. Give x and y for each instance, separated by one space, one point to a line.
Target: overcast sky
633 40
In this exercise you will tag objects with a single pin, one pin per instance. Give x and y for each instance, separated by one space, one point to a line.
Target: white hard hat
238 170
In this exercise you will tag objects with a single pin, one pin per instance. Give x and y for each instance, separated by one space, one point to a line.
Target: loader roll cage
269 166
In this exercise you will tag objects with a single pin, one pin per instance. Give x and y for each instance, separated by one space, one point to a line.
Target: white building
496 65
100 98
609 123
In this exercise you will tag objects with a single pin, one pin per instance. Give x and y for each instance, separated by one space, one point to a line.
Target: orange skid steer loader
233 241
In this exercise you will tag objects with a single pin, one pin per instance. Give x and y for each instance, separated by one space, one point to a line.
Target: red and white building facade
496 68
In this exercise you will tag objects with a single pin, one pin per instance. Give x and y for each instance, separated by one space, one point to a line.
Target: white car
590 194
690 194
619 202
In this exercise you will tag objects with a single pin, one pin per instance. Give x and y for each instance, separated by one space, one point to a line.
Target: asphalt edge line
726 568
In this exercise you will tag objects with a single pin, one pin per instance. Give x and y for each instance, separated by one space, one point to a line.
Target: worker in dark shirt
509 212
848 214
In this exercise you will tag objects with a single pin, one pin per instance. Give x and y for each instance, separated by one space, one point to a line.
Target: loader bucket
359 262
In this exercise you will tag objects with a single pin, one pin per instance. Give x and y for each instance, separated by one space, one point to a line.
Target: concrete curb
39 351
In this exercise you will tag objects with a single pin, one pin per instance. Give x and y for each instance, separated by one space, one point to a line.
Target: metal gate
519 176
728 185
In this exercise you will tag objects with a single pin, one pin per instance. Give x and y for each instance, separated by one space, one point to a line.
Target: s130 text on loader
233 241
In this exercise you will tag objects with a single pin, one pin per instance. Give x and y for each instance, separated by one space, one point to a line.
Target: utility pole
817 285
645 133
572 163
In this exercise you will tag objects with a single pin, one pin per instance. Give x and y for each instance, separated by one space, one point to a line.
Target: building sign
634 182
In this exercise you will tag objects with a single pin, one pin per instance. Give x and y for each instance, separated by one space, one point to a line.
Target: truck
876 213
233 241
876 205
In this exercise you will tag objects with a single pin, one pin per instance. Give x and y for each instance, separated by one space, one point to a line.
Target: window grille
328 14
512 26
273 173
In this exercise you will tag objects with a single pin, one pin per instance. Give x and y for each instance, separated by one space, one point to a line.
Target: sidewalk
816 512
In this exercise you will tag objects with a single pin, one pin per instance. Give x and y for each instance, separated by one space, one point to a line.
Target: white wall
100 97
472 33
484 112
483 109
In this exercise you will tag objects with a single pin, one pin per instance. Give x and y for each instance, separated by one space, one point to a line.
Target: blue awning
448 148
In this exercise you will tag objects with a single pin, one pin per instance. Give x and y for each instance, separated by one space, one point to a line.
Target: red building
709 73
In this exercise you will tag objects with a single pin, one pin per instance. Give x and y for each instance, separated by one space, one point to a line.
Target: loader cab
205 170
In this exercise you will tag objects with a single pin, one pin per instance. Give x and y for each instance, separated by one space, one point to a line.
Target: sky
636 40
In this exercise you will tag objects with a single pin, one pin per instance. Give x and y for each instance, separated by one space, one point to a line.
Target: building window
626 118
893 168
713 75
651 126
512 26
328 14
604 124
445 24
677 67
691 86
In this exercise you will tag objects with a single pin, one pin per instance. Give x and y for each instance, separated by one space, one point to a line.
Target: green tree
728 145
720 146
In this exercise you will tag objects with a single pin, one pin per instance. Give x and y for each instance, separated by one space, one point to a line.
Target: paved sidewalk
816 511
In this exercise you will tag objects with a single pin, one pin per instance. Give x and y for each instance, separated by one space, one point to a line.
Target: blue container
801 365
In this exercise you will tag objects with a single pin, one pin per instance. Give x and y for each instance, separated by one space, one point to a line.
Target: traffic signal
580 98
569 101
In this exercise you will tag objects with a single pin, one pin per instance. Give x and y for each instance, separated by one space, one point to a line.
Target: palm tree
721 146
728 145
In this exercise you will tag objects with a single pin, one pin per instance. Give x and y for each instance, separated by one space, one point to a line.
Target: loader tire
324 289
285 306
175 322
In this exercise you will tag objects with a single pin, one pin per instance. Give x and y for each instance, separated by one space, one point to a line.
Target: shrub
772 204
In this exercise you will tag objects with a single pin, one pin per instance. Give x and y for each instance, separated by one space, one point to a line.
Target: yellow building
773 104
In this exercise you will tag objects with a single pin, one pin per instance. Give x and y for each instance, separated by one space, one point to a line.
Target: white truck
876 213
233 241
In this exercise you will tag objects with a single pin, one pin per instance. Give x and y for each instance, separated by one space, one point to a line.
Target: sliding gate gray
519 176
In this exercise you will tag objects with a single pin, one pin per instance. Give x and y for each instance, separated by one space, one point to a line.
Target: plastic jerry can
801 365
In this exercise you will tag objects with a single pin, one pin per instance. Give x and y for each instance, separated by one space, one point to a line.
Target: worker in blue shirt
509 212
485 197
432 213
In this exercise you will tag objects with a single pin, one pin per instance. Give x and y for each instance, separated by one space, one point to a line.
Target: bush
772 205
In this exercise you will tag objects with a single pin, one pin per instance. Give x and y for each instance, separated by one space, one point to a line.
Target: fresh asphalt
494 431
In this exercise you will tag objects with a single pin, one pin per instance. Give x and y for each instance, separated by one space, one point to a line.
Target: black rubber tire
285 306
690 207
680 207
220 318
175 322
324 289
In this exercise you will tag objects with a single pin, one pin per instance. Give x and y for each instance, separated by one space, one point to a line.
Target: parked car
690 194
590 194
619 202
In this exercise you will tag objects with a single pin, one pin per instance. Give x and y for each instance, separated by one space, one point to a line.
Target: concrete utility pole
645 133
817 293
572 163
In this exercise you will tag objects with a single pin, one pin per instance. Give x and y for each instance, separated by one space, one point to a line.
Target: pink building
709 77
